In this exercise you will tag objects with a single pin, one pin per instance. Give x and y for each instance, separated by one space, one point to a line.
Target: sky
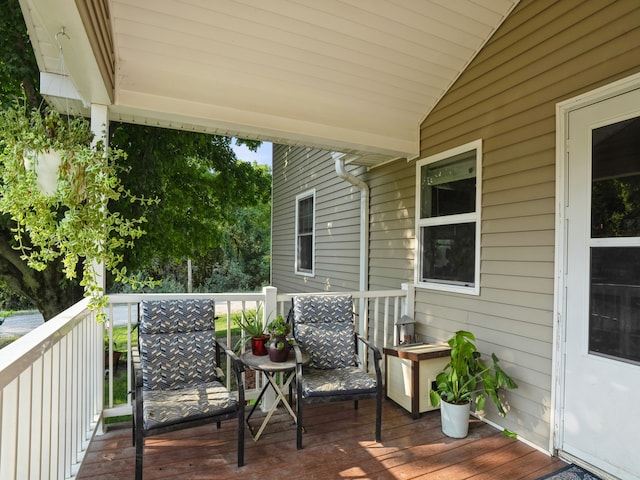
262 156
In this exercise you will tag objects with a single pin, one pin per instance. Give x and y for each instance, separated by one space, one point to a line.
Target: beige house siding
391 224
337 221
545 52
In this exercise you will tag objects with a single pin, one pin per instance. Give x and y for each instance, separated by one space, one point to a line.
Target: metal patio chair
177 373
323 327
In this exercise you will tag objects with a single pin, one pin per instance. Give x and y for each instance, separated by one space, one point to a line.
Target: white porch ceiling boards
356 76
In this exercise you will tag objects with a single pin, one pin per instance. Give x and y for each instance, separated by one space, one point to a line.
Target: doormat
570 472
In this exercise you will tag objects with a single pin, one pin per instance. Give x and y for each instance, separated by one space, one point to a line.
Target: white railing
51 396
123 311
52 380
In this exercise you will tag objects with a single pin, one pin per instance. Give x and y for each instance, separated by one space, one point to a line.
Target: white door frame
563 109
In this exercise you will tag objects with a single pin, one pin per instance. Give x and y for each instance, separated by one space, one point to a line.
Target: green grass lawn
4 341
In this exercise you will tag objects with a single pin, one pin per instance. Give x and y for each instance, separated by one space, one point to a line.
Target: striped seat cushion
324 330
177 360
177 343
319 382
167 407
176 316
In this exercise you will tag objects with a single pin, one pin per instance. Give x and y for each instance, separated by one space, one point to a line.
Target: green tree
199 183
49 291
18 69
197 177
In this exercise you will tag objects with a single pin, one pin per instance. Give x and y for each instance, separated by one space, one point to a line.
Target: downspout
364 242
364 217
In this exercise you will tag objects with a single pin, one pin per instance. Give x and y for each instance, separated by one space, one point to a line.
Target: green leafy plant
279 327
466 377
73 221
251 324
252 327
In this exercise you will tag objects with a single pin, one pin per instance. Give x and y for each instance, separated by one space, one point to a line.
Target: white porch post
269 312
100 129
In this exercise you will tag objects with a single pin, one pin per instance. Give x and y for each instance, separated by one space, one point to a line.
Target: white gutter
364 216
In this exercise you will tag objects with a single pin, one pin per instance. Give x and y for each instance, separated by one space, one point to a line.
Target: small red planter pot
258 346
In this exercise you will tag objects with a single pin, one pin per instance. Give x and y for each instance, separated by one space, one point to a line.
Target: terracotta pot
258 346
115 358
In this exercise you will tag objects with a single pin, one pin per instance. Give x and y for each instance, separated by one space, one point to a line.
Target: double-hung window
448 220
305 233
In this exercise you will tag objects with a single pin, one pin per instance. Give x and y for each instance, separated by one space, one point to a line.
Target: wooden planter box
410 372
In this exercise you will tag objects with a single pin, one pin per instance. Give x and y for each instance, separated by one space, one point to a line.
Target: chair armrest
298 376
236 365
136 367
377 356
298 353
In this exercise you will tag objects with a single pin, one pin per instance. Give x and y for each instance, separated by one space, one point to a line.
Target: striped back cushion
177 347
323 327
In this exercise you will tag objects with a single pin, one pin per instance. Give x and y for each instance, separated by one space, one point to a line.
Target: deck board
338 443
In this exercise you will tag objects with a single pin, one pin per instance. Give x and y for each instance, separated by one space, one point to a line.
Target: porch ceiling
346 75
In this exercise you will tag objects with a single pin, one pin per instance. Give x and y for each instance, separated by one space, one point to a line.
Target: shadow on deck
338 444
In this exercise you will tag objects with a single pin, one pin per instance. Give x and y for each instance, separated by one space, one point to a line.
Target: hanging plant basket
56 187
45 166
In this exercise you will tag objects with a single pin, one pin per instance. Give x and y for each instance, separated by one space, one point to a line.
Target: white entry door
600 415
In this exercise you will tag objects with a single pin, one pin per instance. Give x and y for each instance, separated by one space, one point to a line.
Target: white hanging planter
46 166
455 419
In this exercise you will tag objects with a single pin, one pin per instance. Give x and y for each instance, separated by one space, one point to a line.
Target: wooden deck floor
338 444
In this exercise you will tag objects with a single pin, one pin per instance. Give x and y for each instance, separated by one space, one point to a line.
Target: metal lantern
406 330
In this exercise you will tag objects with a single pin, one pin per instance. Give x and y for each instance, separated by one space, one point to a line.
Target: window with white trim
448 194
305 233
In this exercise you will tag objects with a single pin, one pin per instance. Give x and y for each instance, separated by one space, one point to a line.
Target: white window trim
462 218
297 271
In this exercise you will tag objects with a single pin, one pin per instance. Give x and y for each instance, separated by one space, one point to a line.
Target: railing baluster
52 380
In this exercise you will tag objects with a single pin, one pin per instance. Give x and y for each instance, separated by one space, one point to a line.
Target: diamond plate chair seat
176 370
168 407
175 360
323 327
347 381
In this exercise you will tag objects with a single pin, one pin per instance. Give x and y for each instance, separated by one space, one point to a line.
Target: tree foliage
200 184
213 208
18 69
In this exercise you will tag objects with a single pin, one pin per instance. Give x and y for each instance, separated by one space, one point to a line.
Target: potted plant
66 216
116 353
254 331
279 347
467 378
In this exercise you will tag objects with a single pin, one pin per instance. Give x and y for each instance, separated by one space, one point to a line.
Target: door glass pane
614 306
615 182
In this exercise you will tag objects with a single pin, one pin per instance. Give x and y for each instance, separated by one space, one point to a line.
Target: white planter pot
455 419
46 165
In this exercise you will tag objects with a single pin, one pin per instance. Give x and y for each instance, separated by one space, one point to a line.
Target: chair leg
355 404
298 422
139 449
379 416
240 438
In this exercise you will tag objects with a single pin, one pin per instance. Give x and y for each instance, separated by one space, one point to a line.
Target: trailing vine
72 221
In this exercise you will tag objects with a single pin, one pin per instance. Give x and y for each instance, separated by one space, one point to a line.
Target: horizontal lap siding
391 225
297 170
545 52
